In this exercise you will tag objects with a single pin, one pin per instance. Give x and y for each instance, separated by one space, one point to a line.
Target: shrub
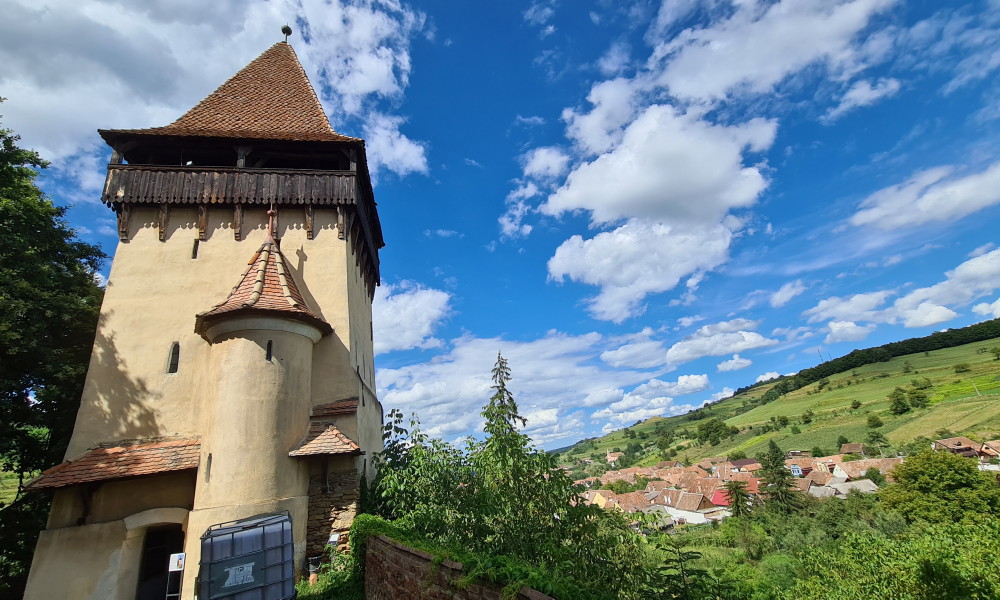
874 421
963 368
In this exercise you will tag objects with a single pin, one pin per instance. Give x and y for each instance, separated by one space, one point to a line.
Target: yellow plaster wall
77 563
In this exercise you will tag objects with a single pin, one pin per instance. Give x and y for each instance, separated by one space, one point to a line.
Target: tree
962 368
49 303
876 439
504 501
807 417
842 439
897 401
817 451
874 421
941 487
855 404
995 351
739 498
917 398
875 476
779 493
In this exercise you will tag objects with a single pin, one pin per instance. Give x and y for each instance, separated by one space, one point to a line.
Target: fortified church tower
232 374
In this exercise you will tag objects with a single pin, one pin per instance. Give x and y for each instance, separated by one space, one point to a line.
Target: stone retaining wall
397 572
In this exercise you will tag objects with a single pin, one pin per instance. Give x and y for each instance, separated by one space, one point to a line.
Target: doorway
160 542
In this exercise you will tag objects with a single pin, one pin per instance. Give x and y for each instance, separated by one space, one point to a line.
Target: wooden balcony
149 184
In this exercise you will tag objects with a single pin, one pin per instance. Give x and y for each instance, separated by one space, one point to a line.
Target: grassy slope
954 405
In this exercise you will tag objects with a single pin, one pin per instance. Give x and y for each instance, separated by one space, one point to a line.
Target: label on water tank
237 574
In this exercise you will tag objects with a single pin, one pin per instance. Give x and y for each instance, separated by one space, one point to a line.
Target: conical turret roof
267 288
271 98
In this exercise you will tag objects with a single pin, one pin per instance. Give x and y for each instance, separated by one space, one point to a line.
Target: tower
232 373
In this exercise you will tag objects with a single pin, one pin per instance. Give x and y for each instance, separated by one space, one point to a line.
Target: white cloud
846 331
718 339
862 93
615 60
972 279
760 45
767 376
981 250
988 310
390 148
859 307
930 196
669 165
600 129
734 364
405 316
539 13
635 260
545 162
651 399
788 291
639 352
71 68
726 392
449 391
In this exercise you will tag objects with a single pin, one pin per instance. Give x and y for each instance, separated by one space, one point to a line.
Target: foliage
779 489
875 476
874 421
963 368
500 499
49 303
739 498
897 401
941 487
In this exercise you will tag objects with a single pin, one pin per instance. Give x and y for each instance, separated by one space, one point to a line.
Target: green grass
963 403
8 487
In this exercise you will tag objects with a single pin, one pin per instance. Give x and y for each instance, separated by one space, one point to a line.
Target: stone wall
333 503
396 572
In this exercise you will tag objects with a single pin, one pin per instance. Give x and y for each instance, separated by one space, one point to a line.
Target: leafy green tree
874 421
739 498
875 476
941 487
897 401
782 421
917 398
995 351
963 368
817 451
842 439
807 417
907 367
855 404
49 303
504 500
876 439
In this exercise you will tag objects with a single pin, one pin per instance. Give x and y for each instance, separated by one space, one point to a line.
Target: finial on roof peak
285 29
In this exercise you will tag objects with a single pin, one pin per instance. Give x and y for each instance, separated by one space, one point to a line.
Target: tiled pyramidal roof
325 438
121 461
271 98
266 288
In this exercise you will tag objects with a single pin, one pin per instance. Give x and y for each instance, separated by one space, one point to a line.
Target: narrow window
269 354
194 249
175 357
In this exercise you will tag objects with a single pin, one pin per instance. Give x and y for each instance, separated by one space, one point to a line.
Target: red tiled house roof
334 409
271 98
325 438
121 461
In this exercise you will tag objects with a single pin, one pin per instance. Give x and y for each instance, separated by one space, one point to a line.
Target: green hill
960 387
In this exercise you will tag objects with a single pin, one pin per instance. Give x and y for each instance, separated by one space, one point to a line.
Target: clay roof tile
325 438
120 461
271 98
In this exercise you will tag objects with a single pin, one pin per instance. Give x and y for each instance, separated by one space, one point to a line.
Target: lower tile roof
325 438
119 461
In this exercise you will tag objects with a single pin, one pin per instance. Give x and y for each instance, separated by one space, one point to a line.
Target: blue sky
643 206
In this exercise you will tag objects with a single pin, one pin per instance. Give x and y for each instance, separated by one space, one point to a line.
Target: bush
874 421
963 368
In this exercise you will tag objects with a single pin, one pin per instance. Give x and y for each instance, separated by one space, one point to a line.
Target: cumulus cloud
987 309
859 307
862 93
651 399
846 331
757 47
70 68
449 391
404 316
670 165
788 291
718 339
934 195
638 351
734 364
635 260
545 162
970 280
767 376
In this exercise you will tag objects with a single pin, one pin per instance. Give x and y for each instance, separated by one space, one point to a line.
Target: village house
232 373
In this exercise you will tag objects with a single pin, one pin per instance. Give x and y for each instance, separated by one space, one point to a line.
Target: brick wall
333 503
396 572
